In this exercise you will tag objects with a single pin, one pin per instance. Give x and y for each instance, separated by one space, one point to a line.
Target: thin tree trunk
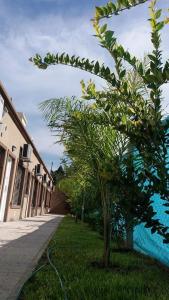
107 241
82 211
129 237
107 215
76 217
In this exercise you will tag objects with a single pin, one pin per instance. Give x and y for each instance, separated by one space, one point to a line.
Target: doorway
6 188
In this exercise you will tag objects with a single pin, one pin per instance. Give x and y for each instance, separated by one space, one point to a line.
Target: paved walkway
21 245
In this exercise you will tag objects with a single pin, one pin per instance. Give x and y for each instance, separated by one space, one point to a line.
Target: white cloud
22 37
43 35
46 142
137 39
28 85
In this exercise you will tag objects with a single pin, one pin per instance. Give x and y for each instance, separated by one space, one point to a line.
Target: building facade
25 183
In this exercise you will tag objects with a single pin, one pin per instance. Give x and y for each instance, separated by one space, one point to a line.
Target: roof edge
19 124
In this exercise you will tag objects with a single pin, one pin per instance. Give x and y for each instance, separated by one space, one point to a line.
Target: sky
28 27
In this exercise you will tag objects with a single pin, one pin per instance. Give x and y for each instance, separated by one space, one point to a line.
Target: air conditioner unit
1 107
38 170
45 178
2 128
26 152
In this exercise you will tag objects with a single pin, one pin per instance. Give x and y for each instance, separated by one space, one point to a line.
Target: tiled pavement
21 245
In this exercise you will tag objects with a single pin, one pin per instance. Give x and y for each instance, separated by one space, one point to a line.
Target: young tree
93 147
80 186
57 175
135 115
100 153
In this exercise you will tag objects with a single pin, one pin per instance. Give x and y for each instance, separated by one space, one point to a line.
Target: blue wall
152 244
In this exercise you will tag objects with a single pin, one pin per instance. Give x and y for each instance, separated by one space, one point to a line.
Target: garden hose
33 273
41 267
57 273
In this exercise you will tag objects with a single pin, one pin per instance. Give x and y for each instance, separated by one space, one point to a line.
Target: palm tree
98 147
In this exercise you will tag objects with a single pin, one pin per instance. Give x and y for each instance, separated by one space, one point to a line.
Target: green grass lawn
74 248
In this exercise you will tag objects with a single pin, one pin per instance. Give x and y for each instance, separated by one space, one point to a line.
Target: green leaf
124 119
96 68
160 26
140 69
158 13
67 59
107 71
99 11
153 230
122 74
133 61
61 57
106 10
109 37
125 3
152 57
103 28
112 6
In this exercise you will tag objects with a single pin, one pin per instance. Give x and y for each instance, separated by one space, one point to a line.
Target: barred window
18 187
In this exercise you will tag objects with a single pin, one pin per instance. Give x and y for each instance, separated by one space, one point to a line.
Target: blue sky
38 26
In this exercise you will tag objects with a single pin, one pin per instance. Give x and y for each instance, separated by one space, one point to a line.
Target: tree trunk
76 217
82 211
129 237
107 215
107 240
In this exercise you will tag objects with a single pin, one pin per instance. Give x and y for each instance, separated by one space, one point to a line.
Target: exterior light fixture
14 148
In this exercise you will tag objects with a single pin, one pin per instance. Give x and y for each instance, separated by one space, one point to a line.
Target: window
47 199
1 107
18 188
2 158
41 196
35 193
27 184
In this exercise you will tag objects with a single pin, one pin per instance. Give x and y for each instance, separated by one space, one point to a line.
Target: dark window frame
41 195
27 185
21 187
35 194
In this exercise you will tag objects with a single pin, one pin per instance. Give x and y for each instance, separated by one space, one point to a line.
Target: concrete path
21 245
